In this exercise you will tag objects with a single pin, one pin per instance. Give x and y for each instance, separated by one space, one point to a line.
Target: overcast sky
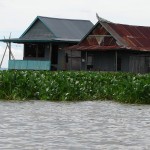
17 15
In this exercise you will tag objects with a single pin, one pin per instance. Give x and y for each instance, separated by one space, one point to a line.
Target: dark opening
34 50
30 50
118 64
90 62
54 54
67 59
41 50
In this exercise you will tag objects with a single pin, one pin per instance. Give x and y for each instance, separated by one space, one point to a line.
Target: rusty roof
105 48
128 37
135 36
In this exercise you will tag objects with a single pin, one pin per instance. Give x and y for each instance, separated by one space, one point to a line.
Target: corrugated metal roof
135 36
55 28
127 37
67 28
45 29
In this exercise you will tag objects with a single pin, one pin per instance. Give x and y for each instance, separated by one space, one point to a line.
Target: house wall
73 62
61 60
135 62
139 63
67 59
106 61
102 61
125 57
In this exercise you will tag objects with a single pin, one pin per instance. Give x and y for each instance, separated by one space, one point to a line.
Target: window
34 50
30 50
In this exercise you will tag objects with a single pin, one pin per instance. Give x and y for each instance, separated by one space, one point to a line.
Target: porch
29 65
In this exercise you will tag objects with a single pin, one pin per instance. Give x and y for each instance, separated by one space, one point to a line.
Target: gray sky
17 15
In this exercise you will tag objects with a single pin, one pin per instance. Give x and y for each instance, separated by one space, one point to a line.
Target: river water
96 125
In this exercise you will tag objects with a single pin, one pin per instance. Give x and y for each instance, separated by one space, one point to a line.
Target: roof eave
39 41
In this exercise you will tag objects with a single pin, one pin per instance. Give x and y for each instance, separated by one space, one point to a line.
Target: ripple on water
84 125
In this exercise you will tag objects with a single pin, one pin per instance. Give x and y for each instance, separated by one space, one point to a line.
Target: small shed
43 41
115 47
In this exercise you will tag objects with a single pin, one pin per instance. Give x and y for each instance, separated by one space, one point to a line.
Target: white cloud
17 15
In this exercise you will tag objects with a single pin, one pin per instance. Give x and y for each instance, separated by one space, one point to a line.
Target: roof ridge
131 25
100 19
64 18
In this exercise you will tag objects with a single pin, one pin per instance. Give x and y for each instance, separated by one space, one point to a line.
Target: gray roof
58 29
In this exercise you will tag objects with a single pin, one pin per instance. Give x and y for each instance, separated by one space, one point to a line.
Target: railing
29 65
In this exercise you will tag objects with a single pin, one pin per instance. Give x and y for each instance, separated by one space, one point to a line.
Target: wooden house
115 47
43 41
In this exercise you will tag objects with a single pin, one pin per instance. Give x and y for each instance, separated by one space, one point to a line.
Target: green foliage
75 86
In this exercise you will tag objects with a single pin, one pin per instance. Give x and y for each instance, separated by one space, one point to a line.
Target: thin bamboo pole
3 56
9 47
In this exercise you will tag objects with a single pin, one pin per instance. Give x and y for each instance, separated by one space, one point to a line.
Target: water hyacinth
75 86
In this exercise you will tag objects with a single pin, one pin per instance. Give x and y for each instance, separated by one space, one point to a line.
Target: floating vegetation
75 86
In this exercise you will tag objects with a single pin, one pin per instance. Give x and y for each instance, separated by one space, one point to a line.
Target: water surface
88 125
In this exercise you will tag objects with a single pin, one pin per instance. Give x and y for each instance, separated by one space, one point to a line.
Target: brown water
74 126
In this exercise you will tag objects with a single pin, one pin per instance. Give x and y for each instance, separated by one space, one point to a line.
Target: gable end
98 36
37 31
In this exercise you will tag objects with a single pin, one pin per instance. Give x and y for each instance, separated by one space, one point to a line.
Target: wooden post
50 55
3 56
50 51
116 57
9 46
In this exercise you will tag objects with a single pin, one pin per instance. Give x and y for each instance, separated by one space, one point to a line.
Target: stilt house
43 41
115 47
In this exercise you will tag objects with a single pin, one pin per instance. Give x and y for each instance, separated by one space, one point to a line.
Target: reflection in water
64 126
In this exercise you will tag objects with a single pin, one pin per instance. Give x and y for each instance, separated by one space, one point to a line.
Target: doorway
119 61
54 57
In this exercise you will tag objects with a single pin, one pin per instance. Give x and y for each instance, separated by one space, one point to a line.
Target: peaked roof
67 28
64 30
126 36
